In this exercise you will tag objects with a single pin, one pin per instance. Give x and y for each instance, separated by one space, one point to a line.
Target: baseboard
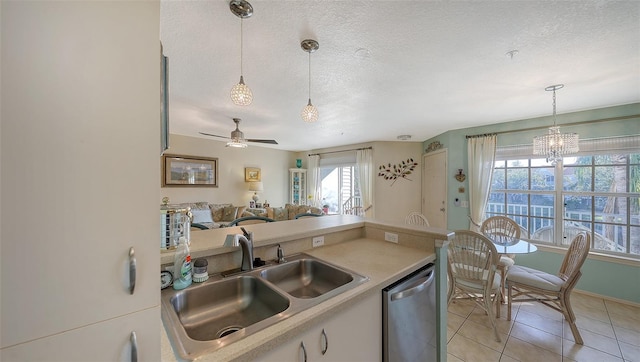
605 297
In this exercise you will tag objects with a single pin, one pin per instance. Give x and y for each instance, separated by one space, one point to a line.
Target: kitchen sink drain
227 331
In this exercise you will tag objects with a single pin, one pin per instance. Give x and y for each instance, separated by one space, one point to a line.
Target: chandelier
240 93
309 112
555 145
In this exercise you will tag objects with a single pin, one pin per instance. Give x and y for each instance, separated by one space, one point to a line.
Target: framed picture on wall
252 174
178 170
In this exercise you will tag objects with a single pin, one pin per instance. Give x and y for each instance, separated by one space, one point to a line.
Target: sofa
212 216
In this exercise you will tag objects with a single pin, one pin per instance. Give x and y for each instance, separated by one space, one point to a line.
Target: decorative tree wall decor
402 170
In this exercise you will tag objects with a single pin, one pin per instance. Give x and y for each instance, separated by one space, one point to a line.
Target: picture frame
189 171
252 174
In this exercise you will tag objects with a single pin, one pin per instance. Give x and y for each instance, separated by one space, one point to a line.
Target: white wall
274 165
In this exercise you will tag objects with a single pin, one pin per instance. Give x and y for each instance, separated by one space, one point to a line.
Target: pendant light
240 93
555 145
309 112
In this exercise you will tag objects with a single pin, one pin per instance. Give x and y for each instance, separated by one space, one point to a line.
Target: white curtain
481 152
315 182
364 161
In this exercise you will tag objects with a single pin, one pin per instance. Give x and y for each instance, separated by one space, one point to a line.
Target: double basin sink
208 316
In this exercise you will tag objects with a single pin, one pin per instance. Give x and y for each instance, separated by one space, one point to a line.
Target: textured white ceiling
386 68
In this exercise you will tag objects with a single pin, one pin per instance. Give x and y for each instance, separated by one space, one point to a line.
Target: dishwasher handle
413 290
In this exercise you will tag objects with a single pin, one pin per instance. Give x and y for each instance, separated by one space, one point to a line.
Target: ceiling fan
237 137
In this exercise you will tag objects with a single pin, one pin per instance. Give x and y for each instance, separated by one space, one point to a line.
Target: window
598 192
340 188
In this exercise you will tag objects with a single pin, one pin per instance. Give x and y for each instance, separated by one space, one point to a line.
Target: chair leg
509 300
489 307
503 279
567 311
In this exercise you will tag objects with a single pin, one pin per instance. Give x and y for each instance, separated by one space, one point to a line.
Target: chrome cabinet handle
132 270
134 347
324 342
304 351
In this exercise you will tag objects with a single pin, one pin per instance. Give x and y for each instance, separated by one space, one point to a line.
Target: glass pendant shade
241 94
237 144
309 113
555 145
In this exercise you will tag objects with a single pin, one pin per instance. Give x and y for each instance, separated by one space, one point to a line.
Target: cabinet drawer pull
134 347
304 351
132 270
324 342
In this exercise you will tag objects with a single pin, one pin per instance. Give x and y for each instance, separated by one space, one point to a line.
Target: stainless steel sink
306 278
207 316
216 310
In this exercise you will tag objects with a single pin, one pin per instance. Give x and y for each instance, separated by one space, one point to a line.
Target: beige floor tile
480 316
483 334
592 325
537 321
470 351
452 358
621 308
454 322
461 307
587 354
537 337
627 335
630 352
596 341
593 313
541 310
506 358
525 352
629 321
579 300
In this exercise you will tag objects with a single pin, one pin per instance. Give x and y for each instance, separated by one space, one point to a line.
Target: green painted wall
600 277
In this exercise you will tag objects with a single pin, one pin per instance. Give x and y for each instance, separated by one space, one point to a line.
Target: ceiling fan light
237 144
241 94
309 113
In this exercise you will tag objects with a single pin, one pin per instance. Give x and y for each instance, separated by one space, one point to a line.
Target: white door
434 188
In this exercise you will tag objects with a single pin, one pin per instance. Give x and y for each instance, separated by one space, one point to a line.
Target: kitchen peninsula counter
368 254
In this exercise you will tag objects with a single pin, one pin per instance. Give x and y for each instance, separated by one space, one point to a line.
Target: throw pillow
216 211
201 216
280 214
229 213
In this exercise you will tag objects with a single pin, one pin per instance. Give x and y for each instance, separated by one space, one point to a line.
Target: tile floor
610 330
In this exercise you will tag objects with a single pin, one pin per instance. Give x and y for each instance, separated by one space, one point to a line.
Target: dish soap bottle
182 265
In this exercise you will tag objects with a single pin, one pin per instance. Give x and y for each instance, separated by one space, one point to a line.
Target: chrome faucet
280 253
246 244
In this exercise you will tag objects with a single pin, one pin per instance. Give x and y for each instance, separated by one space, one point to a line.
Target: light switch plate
318 241
391 237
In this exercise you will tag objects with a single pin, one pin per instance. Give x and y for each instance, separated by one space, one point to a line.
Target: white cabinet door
80 165
107 341
298 186
354 334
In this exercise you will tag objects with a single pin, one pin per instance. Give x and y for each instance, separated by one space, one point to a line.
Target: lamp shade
256 186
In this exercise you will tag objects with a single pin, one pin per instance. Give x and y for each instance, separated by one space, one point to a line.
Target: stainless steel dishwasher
409 317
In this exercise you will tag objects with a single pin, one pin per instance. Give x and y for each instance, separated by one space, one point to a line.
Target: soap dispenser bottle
182 265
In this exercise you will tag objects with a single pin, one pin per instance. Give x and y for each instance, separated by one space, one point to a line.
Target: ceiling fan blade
213 135
272 142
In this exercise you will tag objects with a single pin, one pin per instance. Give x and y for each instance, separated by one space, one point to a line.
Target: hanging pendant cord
554 107
309 76
241 37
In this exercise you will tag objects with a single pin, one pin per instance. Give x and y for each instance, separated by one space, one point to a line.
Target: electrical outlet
391 237
318 241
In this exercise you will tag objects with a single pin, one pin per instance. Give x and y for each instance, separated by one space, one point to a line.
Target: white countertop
381 261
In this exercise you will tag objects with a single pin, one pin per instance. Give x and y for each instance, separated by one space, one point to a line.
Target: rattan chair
501 229
551 290
416 218
472 271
